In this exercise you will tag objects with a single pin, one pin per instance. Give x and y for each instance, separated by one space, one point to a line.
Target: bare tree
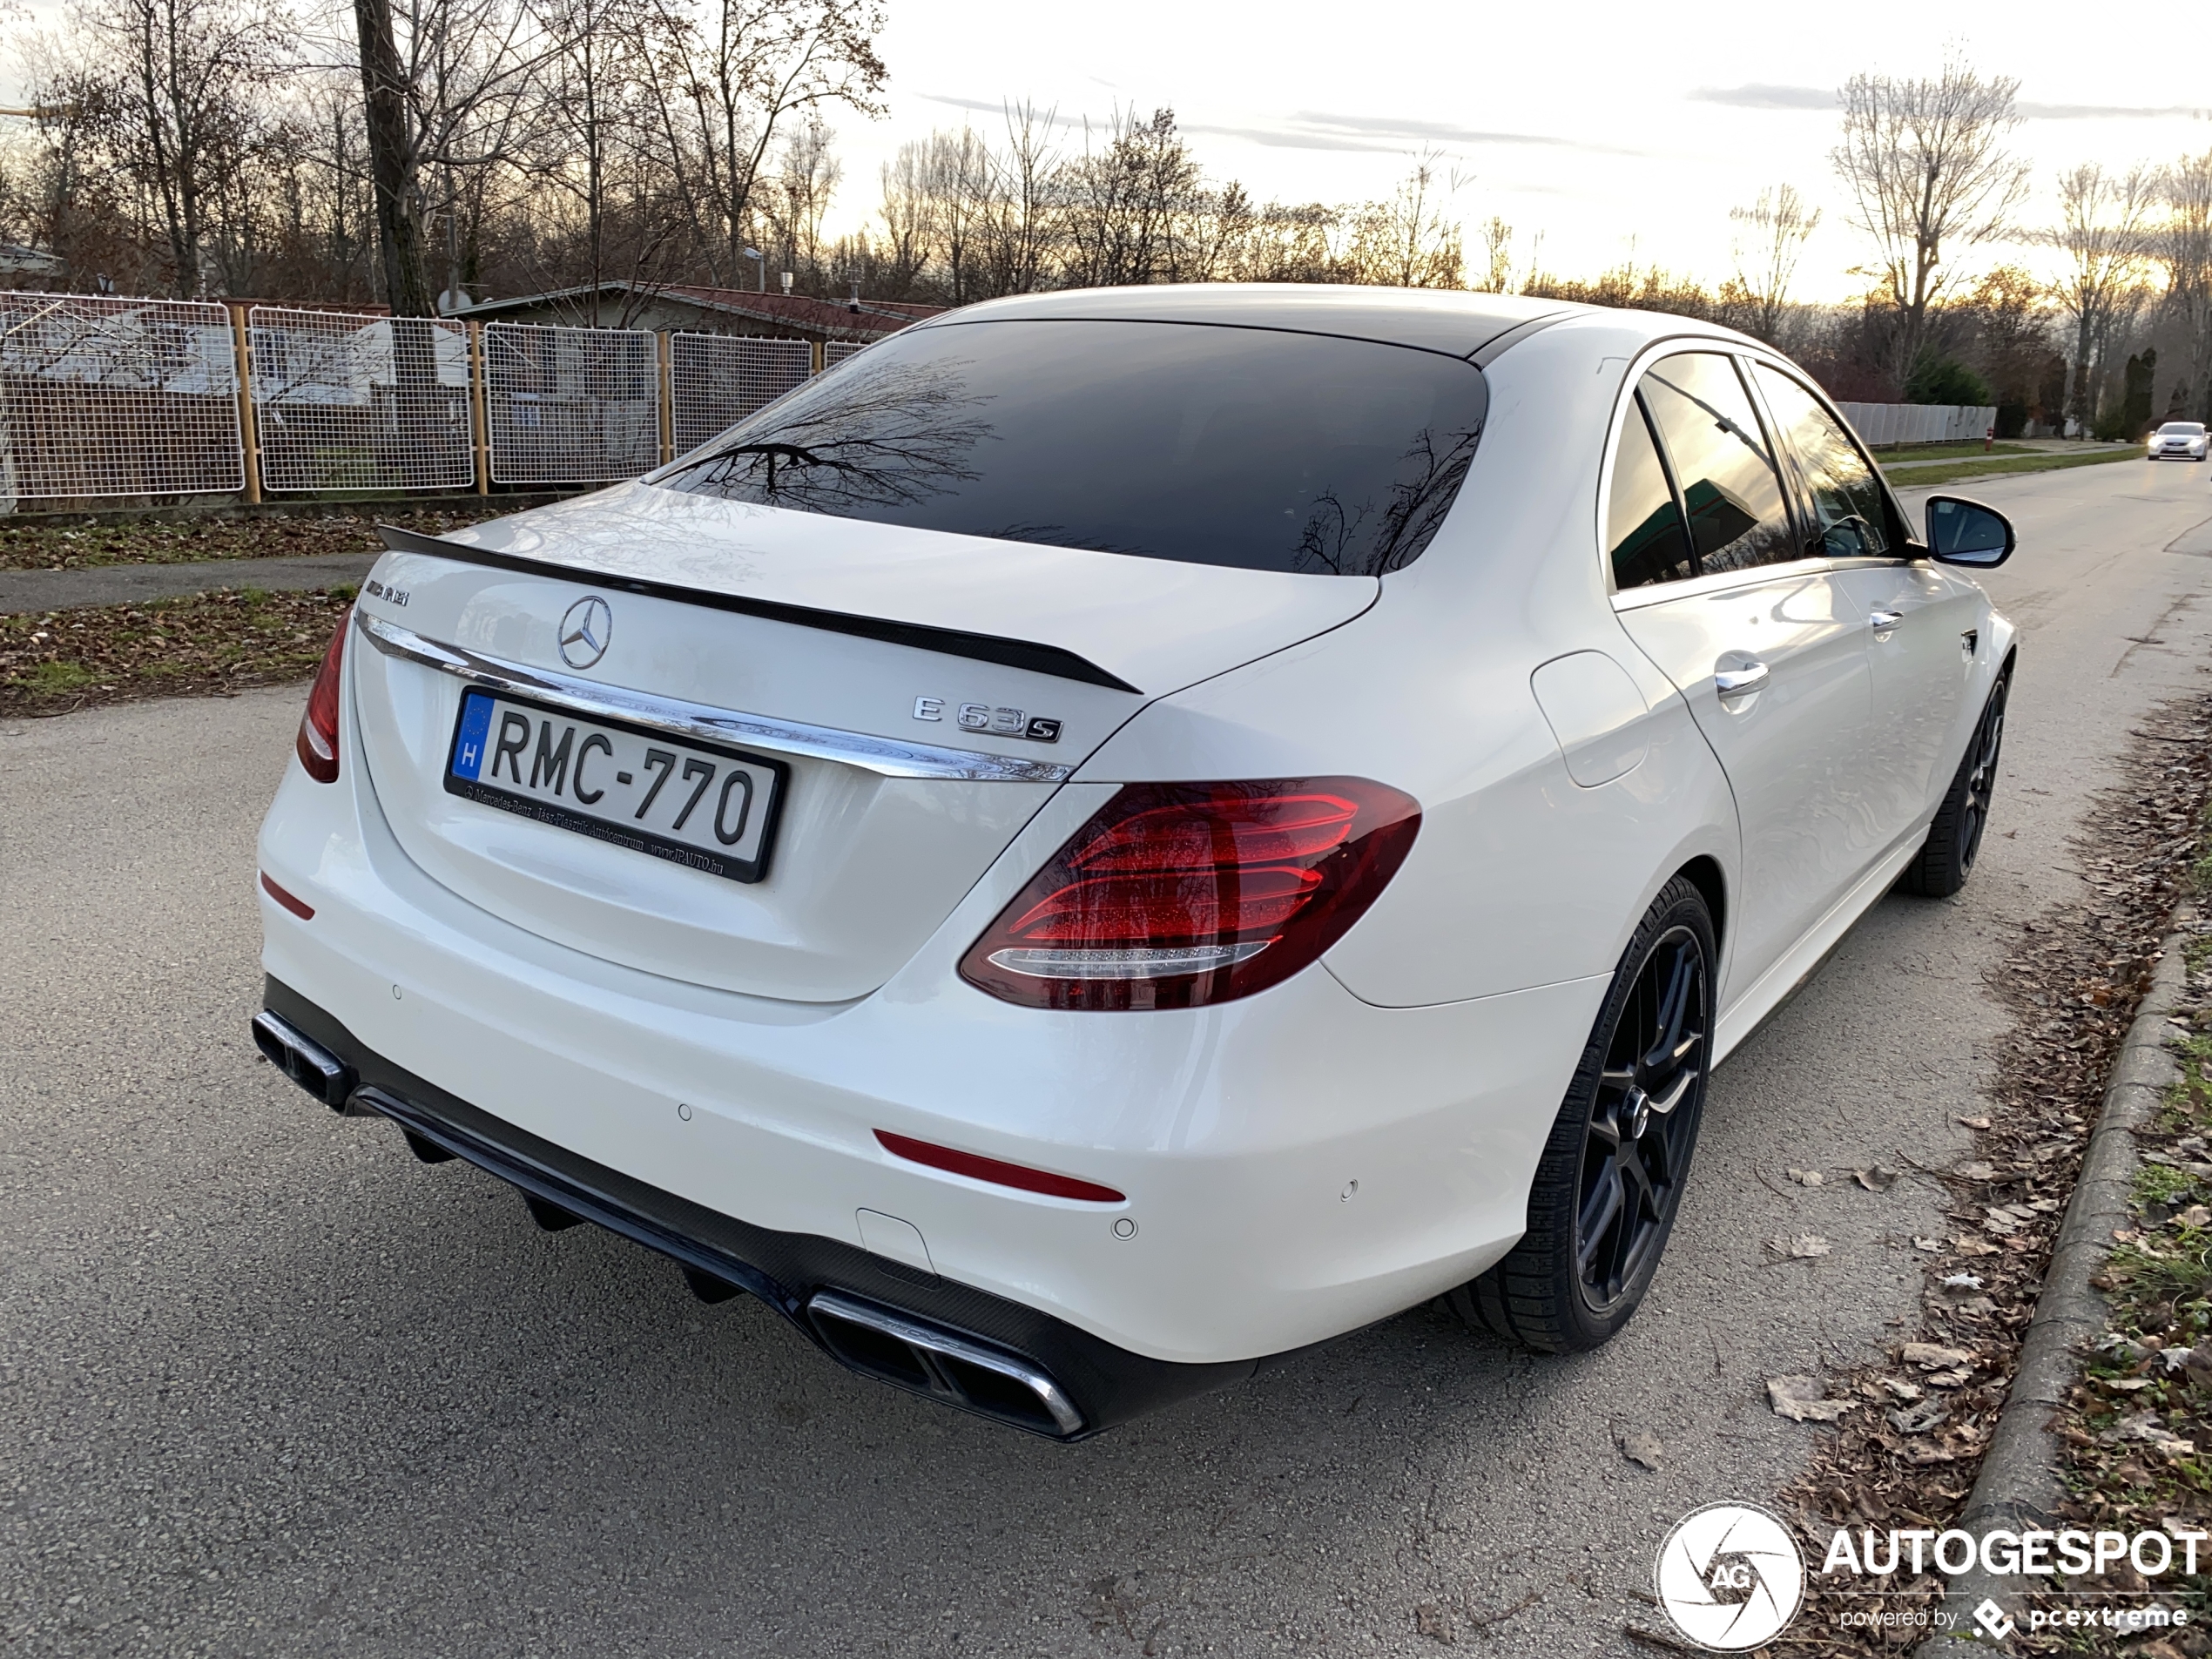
168 90
1775 229
1497 257
1929 177
443 85
727 76
1129 204
2104 232
807 179
1410 241
2184 247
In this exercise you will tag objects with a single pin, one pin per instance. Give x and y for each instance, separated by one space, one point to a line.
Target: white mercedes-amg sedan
1116 834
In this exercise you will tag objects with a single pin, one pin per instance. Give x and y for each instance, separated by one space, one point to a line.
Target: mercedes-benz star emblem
585 631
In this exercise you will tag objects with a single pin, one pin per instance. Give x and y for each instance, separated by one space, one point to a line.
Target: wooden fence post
479 421
241 344
667 350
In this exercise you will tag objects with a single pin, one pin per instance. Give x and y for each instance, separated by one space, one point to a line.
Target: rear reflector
318 743
305 912
997 1172
1178 895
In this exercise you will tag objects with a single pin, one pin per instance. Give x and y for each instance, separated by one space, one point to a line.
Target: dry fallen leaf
1803 1246
1975 1123
1969 1245
1917 1419
2195 1216
1799 1400
1929 1357
1976 1171
1642 1445
1878 1179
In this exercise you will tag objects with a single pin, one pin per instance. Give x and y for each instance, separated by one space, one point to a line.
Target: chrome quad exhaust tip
895 1348
299 1058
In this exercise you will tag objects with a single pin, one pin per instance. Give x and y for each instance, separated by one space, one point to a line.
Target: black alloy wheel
1610 1179
1642 1121
1954 838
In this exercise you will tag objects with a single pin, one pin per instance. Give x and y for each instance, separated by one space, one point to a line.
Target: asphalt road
270 1386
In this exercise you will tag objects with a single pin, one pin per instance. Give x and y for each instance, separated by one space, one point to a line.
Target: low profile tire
1611 1177
1947 856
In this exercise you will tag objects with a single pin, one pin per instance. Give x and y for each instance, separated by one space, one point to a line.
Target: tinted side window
1644 536
1737 516
1851 518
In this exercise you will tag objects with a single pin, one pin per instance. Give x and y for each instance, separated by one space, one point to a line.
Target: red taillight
317 743
1175 895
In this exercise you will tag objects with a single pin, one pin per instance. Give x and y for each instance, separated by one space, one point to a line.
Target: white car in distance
2177 441
1118 834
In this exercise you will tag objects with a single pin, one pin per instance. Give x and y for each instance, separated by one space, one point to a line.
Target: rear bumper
963 1346
1296 1163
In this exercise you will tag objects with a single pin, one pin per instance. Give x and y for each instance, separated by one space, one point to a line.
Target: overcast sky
1617 130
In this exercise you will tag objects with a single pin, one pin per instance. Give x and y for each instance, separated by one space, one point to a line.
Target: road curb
2019 1484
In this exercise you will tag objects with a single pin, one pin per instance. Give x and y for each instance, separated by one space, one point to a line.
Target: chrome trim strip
931 1340
1715 582
886 756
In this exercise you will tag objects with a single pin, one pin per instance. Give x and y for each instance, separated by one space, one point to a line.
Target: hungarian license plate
694 804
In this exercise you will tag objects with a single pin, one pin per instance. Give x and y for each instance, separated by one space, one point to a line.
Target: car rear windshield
1253 448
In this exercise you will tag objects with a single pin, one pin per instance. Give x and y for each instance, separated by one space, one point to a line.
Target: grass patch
211 643
1892 452
48 547
1921 477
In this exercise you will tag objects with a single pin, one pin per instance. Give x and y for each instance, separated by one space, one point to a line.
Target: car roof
1431 318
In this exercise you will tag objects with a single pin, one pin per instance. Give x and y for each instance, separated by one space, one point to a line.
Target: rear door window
1253 448
1739 518
1645 539
1851 514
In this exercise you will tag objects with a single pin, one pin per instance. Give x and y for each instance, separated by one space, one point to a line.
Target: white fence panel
345 402
117 397
571 405
715 381
838 350
1887 423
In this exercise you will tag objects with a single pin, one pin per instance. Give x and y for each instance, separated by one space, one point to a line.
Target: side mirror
1965 532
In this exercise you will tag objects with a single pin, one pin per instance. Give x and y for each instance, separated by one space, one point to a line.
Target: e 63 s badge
981 717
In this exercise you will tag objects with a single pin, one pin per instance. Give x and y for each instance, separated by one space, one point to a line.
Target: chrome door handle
1741 682
1882 621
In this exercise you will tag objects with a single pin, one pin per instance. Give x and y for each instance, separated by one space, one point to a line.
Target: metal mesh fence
354 402
117 397
571 405
838 350
715 381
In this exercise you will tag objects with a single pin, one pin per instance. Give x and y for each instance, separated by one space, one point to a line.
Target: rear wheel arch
1703 872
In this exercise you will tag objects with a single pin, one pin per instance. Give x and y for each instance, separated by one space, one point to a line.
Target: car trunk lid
925 693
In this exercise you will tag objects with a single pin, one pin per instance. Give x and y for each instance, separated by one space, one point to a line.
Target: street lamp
761 260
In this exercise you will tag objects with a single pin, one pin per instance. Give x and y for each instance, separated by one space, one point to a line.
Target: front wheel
1611 1177
1947 856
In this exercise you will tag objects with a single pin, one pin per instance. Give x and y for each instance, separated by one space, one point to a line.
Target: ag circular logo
585 631
1731 1576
